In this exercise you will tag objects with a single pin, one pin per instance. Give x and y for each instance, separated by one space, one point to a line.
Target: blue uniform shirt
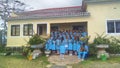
84 34
70 45
86 48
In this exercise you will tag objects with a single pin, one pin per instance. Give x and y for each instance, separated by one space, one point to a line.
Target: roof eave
82 14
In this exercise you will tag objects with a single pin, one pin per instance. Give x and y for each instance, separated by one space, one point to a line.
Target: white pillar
48 29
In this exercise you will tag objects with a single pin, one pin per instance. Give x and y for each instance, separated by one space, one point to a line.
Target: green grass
41 62
22 62
93 62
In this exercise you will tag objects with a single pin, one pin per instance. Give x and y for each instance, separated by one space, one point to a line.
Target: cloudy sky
42 4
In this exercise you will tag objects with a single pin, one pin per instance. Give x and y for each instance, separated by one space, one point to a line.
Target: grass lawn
93 62
22 62
41 62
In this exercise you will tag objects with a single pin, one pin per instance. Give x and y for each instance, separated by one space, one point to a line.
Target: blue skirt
70 46
62 49
53 47
75 47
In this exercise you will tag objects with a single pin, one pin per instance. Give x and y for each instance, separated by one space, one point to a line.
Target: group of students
67 42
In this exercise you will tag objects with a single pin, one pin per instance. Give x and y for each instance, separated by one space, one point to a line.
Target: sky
44 4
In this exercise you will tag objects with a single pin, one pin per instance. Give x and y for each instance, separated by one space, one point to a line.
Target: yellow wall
96 22
100 13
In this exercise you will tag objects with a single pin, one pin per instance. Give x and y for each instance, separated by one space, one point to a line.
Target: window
28 29
113 26
15 30
39 29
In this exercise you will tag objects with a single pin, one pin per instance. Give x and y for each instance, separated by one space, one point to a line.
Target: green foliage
2 49
113 42
114 47
26 50
101 39
85 39
92 49
36 39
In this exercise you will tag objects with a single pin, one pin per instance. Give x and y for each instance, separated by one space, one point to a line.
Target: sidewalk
55 59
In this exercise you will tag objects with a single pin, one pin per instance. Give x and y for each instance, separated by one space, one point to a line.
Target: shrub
2 49
114 43
92 49
114 46
25 50
101 39
36 39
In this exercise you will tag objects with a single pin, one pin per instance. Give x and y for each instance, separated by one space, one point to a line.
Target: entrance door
39 29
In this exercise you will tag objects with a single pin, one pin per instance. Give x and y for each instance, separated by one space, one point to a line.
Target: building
93 16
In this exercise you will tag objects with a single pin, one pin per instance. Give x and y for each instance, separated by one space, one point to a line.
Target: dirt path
67 59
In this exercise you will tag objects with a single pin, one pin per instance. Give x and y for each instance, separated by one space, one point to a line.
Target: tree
6 8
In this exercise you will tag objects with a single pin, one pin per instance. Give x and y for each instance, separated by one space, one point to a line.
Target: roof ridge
43 10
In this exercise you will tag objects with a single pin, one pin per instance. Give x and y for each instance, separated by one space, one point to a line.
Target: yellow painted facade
100 12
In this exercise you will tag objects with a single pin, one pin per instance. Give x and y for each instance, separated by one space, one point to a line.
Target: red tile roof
51 10
53 13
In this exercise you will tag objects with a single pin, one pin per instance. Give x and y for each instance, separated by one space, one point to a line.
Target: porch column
48 29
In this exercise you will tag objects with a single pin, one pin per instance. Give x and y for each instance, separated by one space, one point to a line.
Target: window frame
28 30
15 26
115 20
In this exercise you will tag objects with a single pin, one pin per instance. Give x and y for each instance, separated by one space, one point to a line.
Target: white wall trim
41 23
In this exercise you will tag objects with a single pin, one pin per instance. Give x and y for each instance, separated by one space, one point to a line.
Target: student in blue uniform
65 43
53 45
75 47
70 46
58 43
62 49
51 33
72 36
83 51
78 45
84 34
50 43
47 47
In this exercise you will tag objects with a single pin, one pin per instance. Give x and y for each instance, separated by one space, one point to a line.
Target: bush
114 43
92 49
114 46
2 49
101 39
36 39
25 50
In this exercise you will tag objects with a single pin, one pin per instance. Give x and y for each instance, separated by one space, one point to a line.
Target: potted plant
47 52
101 42
36 41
